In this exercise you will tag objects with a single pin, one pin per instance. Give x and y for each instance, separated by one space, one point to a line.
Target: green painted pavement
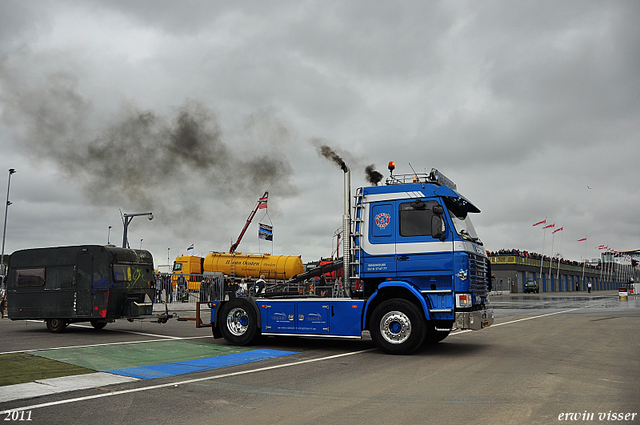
111 357
18 368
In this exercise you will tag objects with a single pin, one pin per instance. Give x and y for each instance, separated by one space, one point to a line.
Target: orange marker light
392 166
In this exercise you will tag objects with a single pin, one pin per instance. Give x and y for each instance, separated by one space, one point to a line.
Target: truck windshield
462 222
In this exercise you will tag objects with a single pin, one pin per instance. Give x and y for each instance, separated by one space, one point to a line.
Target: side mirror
437 227
437 209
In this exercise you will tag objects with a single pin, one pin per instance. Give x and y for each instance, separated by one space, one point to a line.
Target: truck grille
478 272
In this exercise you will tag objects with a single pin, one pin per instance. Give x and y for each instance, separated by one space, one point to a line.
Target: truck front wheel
239 322
397 327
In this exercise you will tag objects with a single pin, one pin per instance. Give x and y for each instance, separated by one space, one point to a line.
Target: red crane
262 203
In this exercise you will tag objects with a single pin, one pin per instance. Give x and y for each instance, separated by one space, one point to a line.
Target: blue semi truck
414 270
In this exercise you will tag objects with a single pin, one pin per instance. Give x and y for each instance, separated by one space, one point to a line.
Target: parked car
531 286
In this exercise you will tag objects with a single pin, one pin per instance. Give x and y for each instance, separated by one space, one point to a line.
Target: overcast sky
193 109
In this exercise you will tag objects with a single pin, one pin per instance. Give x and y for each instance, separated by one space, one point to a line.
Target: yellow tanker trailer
245 265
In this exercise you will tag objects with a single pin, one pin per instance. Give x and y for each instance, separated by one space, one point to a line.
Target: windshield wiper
468 237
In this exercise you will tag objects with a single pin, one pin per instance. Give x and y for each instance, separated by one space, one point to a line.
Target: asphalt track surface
547 359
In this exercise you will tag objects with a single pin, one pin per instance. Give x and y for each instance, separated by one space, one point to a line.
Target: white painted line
533 317
516 321
131 332
106 344
188 381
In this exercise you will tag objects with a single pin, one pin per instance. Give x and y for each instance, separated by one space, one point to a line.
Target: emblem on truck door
382 220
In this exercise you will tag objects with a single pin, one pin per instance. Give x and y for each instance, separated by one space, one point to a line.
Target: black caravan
69 284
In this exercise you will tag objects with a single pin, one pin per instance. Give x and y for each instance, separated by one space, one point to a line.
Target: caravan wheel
56 325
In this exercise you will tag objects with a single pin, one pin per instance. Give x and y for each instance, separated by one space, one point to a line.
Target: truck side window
415 218
30 277
177 267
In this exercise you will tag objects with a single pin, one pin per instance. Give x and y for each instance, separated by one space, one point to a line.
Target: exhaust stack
346 231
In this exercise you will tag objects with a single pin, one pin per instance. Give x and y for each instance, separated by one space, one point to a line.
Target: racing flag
262 202
265 232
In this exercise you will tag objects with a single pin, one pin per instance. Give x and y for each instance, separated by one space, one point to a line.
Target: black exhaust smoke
374 177
142 159
331 155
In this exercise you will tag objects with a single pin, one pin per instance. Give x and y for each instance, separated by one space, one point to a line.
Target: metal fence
183 288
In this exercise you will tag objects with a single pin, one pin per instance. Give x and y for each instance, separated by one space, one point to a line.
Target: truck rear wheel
397 327
239 322
56 325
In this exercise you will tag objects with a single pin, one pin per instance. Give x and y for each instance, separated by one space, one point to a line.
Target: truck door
380 246
84 274
418 252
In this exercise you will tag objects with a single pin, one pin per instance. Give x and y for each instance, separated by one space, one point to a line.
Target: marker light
392 166
463 300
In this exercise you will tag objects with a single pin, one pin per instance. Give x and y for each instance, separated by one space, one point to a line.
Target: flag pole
584 260
542 252
561 238
553 239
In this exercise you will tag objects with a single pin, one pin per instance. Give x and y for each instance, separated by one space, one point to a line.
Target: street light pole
4 231
109 236
126 219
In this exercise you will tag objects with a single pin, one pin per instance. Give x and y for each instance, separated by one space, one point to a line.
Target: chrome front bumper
474 320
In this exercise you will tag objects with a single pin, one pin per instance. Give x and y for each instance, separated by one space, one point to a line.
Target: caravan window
30 277
60 277
121 273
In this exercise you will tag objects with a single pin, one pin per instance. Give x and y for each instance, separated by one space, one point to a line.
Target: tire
239 322
397 326
56 325
97 324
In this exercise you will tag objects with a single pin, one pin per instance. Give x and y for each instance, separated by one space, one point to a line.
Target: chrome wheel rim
395 327
237 321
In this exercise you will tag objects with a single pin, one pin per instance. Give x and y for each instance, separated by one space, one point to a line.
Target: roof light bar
435 177
440 179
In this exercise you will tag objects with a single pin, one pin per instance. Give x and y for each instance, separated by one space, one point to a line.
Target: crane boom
262 203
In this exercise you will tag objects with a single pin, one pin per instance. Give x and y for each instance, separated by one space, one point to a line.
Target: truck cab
414 240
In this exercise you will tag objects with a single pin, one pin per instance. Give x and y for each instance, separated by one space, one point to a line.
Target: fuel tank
254 265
